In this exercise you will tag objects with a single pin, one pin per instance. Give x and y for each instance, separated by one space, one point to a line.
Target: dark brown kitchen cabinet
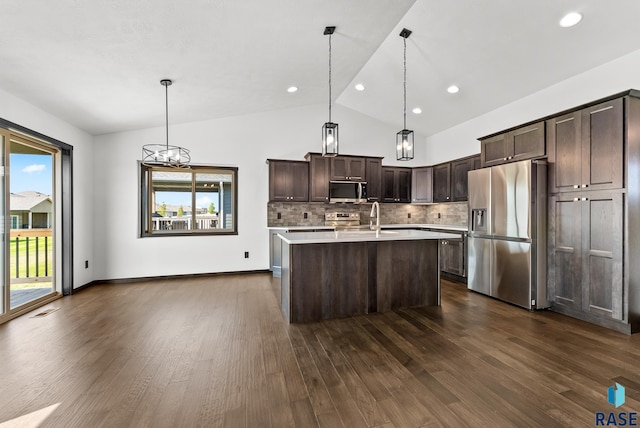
442 183
527 142
586 148
348 168
585 272
288 181
422 185
450 180
452 256
476 162
459 177
396 184
374 179
319 167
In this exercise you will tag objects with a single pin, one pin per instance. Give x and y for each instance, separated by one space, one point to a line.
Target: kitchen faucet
375 207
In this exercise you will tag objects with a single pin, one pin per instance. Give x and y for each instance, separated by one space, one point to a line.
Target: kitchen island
335 274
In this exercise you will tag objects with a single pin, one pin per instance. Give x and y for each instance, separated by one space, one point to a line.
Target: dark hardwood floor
216 352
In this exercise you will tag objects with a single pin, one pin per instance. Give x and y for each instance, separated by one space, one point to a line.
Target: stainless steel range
342 219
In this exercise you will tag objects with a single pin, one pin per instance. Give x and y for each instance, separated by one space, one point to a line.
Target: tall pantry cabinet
594 212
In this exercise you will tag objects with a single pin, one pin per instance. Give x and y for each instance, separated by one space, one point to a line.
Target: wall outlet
408 215
305 215
86 264
279 216
246 254
438 215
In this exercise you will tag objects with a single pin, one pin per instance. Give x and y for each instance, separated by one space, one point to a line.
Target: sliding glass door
28 222
4 226
32 220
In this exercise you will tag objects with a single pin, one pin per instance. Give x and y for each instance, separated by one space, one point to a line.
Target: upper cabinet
527 142
319 167
586 148
442 182
288 181
459 177
422 185
348 168
396 184
374 179
450 180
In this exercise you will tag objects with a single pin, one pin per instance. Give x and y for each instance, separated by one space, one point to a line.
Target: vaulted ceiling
97 64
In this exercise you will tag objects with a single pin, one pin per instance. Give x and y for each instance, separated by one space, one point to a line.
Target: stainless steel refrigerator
507 233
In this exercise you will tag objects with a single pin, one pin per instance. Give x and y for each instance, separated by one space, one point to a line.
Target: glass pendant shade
404 145
330 139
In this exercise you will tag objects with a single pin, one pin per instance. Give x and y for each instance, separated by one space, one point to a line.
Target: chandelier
165 154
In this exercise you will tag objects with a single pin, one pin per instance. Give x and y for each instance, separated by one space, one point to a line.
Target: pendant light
404 138
164 154
329 129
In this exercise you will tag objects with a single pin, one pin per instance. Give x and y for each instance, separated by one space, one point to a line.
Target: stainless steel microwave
354 192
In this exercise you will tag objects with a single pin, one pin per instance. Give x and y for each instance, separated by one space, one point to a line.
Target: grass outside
42 249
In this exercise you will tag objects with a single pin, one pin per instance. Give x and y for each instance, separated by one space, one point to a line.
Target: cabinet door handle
585 185
576 186
576 199
585 199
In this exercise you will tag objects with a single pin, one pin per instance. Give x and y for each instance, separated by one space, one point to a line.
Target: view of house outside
31 216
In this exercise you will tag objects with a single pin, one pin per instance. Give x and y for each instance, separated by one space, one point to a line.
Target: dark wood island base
341 279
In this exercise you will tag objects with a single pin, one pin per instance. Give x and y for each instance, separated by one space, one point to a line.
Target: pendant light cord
405 83
329 77
166 112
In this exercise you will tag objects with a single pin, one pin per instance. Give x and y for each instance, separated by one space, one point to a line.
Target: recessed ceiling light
292 89
570 19
417 110
359 87
453 89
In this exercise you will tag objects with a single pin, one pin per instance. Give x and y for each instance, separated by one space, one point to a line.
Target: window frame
145 210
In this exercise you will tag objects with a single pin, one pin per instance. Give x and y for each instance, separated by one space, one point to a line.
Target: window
194 201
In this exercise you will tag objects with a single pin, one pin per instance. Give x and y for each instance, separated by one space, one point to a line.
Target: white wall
607 79
245 142
29 116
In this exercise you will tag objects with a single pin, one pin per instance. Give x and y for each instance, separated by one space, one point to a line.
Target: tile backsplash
293 214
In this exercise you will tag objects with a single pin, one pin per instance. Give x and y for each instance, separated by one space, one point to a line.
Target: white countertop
426 226
383 226
301 228
362 236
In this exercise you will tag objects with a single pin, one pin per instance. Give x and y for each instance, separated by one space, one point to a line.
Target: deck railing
207 221
31 255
